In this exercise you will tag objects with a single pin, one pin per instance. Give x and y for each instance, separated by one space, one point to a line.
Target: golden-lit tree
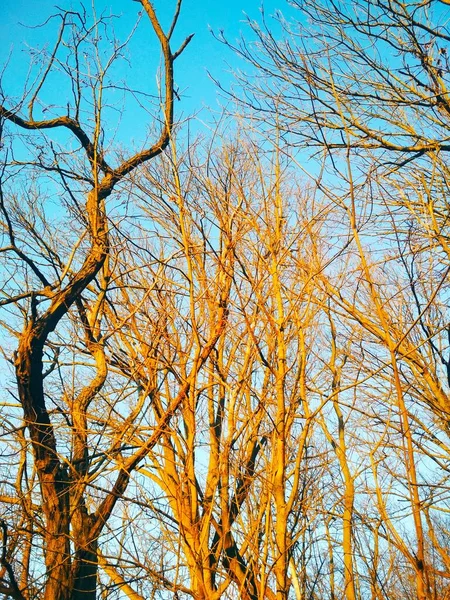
223 325
56 273
232 357
364 84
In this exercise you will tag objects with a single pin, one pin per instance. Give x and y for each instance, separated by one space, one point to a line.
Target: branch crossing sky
204 54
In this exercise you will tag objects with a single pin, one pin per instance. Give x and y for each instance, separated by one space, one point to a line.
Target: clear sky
198 16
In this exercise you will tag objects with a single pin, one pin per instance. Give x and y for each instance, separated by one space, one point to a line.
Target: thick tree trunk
57 546
85 568
52 477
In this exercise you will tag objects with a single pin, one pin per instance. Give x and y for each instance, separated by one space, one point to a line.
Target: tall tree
57 271
231 355
364 84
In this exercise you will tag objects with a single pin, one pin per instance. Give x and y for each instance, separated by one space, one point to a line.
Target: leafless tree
231 356
57 271
363 85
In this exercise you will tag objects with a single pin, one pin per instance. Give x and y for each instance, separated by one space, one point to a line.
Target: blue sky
203 54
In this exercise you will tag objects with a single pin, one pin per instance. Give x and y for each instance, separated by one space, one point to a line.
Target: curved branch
64 121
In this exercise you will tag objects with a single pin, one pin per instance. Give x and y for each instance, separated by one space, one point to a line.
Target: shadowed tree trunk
72 528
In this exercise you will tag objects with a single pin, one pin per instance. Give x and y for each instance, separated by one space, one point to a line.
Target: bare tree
232 372
364 85
229 480
56 280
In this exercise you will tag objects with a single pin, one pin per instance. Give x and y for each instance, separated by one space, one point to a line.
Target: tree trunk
85 570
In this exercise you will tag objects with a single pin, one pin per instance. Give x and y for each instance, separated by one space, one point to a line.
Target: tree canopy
226 359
